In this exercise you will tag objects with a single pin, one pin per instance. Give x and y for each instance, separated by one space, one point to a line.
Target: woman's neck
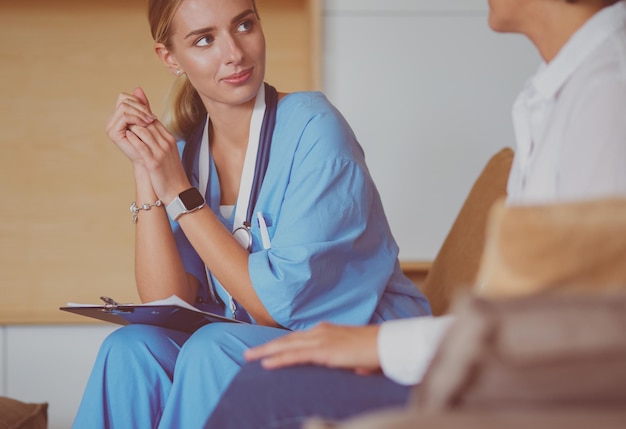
230 125
556 23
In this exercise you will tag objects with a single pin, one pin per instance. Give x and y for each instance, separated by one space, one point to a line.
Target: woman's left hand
159 151
350 347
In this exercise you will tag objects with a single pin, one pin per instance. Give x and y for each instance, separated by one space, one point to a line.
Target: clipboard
172 313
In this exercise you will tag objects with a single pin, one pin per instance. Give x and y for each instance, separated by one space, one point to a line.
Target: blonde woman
269 217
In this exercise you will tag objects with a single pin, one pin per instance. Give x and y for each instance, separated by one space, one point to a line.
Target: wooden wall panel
65 228
293 35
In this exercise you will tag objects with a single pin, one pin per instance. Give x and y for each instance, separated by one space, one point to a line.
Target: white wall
50 364
428 89
3 367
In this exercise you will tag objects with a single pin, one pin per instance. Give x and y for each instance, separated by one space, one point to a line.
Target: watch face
191 199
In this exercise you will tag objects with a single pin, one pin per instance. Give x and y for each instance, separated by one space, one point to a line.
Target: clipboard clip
111 305
109 302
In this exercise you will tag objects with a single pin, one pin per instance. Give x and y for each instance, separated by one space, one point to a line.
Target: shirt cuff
407 346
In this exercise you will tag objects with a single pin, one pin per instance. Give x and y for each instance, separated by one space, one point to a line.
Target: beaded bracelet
134 208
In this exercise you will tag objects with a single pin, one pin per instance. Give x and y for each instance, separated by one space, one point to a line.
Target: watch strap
187 201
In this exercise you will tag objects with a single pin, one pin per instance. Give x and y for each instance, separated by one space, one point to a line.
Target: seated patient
570 127
270 216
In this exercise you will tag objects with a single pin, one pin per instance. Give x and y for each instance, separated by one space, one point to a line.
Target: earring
178 72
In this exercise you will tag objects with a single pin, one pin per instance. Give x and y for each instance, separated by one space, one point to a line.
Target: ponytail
184 109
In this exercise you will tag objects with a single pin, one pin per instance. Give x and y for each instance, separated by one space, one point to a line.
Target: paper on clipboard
172 313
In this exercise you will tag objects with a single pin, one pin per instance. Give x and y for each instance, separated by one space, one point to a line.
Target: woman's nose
233 53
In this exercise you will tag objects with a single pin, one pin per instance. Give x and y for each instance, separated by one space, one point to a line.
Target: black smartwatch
187 201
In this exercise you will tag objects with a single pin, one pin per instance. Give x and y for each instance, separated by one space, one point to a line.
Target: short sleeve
332 253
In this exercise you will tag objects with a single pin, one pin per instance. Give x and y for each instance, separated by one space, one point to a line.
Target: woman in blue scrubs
249 202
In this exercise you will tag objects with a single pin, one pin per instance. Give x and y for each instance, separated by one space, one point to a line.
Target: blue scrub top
332 256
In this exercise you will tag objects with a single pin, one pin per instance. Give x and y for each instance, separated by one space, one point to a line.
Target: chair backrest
551 312
456 265
558 247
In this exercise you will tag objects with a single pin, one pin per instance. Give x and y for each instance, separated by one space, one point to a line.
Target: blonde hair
185 111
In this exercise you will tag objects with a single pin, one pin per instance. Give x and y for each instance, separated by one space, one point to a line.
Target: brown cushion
19 415
558 247
538 352
457 262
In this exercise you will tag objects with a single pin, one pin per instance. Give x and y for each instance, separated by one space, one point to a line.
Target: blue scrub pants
150 377
284 398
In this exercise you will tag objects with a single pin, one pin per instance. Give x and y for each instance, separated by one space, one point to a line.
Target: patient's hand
350 347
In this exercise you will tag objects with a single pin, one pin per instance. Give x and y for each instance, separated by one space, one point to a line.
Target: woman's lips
239 77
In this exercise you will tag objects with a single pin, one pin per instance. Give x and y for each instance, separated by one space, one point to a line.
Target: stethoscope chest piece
243 235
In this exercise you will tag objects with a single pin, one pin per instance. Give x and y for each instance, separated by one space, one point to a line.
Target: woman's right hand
130 109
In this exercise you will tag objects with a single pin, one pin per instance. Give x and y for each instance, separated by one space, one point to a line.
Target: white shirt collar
551 77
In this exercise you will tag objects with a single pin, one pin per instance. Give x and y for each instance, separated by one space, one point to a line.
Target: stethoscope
256 160
243 235
255 164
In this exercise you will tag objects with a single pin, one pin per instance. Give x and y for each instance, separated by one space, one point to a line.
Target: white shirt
570 119
570 128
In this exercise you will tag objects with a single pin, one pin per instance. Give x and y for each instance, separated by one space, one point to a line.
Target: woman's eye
245 26
204 41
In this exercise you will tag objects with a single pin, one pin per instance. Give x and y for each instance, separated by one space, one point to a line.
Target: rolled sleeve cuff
407 346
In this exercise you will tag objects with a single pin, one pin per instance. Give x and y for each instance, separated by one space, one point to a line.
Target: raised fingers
139 144
141 96
157 138
129 110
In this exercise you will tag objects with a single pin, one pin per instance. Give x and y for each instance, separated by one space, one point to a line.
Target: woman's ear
168 59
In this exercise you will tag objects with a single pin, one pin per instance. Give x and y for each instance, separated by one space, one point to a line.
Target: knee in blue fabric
131 379
223 344
139 344
216 339
206 364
